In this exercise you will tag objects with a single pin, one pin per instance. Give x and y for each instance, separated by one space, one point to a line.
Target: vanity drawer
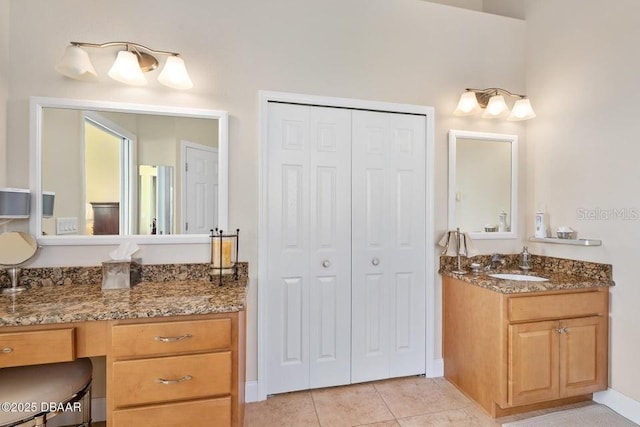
209 412
37 347
139 382
556 306
152 339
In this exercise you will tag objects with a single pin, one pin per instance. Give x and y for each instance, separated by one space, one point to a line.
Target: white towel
465 242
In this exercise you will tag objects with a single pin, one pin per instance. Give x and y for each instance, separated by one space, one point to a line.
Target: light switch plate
67 225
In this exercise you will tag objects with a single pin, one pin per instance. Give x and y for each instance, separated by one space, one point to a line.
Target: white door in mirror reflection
156 199
200 188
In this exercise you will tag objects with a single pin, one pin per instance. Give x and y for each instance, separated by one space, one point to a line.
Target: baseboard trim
99 409
435 368
625 406
251 391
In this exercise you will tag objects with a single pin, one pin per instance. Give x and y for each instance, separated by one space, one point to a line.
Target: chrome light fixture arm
127 44
483 95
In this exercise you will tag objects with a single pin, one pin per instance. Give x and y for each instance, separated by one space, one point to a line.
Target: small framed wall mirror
483 183
103 172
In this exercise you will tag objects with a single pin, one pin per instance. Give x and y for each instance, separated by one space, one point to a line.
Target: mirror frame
484 136
36 106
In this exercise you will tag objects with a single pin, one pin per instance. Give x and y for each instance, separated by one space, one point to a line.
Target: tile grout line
395 418
315 410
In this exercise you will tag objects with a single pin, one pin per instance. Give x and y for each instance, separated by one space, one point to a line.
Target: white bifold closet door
346 238
309 263
388 246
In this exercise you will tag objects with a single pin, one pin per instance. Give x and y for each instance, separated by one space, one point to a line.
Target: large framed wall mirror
152 174
483 183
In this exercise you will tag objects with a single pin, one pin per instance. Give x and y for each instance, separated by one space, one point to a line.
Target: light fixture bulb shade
14 203
467 105
127 70
522 110
174 74
496 108
75 64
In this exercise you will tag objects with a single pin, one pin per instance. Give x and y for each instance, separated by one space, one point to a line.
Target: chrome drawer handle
7 350
173 339
326 264
375 261
178 381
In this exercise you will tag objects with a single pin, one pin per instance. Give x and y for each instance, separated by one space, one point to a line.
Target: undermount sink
519 277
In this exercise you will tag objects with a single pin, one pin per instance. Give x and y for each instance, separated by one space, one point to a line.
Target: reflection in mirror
121 170
483 184
16 248
156 199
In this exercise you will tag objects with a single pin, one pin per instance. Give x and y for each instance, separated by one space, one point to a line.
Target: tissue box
121 274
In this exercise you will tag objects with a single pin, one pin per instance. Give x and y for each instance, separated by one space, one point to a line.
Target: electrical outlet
67 225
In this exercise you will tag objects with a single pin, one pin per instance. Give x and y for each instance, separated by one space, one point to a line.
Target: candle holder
224 253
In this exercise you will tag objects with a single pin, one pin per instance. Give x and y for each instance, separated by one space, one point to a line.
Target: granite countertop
558 281
78 303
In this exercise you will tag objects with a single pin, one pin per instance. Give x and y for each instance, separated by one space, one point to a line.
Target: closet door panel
288 260
330 247
407 243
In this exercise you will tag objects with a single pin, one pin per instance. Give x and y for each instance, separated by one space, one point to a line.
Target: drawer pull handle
173 339
178 381
7 350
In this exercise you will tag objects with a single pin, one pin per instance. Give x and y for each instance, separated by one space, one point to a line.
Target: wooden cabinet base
503 412
520 352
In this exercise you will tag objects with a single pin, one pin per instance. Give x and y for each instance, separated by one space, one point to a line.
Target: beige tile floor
411 401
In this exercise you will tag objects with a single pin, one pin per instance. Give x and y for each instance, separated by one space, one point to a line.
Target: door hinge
186 226
186 167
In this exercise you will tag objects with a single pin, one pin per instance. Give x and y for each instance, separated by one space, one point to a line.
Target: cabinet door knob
7 350
173 339
326 263
178 381
375 261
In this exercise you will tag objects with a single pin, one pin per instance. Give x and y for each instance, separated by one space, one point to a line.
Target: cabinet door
583 356
533 362
308 331
388 224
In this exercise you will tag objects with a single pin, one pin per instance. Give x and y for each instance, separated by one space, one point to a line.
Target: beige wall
62 146
4 86
583 71
405 51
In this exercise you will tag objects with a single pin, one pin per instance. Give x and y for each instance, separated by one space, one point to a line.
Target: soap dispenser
525 259
502 221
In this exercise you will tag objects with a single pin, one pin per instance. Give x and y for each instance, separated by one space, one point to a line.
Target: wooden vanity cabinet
177 372
518 352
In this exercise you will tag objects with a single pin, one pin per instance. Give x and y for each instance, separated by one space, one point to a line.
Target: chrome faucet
497 260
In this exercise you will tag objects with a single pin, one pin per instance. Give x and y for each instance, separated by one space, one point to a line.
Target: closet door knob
375 261
326 263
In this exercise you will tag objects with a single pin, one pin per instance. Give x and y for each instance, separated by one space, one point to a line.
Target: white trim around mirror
36 106
483 136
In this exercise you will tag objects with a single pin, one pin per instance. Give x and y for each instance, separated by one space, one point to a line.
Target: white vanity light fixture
15 203
129 67
491 102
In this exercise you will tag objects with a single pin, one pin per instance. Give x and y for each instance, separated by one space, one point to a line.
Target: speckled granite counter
557 282
563 274
78 303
